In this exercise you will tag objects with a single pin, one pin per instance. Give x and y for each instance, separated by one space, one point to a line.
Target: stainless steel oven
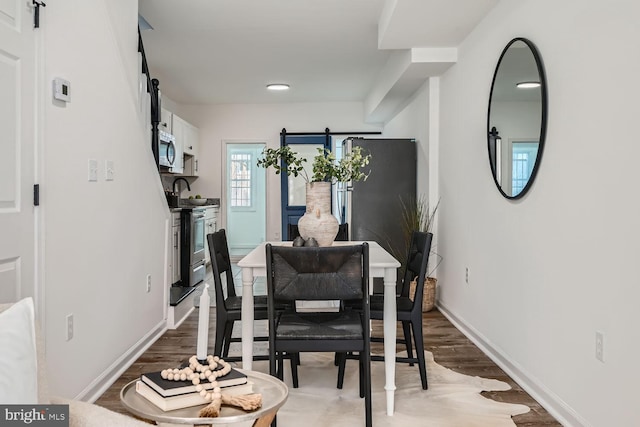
192 263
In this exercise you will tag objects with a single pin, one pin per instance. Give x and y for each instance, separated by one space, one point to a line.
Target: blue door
293 188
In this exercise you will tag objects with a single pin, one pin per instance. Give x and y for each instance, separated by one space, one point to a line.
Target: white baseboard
559 409
97 387
177 314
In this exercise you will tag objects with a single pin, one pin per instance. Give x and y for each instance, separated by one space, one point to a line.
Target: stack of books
170 395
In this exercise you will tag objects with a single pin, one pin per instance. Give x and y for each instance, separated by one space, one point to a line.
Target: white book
188 399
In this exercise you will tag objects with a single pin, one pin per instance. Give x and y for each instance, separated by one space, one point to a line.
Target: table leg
390 320
247 318
265 420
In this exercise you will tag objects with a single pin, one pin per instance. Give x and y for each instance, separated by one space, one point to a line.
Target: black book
172 388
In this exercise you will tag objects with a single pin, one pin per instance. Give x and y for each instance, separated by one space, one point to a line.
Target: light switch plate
93 170
108 170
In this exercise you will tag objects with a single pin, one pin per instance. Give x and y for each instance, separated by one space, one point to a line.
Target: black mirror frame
543 121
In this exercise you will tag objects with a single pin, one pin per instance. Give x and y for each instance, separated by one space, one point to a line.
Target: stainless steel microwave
167 150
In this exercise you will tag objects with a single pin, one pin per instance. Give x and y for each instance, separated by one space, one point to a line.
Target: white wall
262 123
549 270
101 238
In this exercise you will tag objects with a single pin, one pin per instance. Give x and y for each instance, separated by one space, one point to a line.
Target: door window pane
523 158
297 189
241 180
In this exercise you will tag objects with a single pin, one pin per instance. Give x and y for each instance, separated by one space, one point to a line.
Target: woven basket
429 296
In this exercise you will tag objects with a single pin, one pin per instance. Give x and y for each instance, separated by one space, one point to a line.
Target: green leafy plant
324 166
274 158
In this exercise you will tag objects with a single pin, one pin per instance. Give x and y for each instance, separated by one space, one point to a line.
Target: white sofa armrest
83 414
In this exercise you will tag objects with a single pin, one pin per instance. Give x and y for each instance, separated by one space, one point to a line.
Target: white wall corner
121 18
434 55
101 384
403 74
396 65
434 155
385 19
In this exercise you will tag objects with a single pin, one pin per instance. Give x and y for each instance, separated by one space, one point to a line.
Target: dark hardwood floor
449 346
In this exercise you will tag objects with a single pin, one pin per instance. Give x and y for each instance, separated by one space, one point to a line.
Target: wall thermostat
61 89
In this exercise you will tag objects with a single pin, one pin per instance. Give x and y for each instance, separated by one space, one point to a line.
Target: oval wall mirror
517 118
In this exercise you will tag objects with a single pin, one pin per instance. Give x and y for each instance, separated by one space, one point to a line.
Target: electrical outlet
600 346
466 274
69 326
148 283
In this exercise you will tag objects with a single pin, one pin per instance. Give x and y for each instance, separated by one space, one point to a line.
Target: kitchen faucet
175 181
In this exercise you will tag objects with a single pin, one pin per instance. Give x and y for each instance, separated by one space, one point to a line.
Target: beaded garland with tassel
196 372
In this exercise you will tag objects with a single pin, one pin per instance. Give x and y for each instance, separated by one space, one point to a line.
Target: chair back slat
221 263
313 273
417 260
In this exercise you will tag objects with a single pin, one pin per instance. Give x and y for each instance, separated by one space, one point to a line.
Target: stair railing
152 88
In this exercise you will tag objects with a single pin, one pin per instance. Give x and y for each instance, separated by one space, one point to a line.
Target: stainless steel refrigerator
373 208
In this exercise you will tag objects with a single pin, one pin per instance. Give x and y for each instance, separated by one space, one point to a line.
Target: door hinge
36 195
36 12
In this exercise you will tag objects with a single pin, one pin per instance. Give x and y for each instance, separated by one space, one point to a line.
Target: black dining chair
319 273
409 311
228 304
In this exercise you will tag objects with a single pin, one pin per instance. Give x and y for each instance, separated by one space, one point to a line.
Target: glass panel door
245 190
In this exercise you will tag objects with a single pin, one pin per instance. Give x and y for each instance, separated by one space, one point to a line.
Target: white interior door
245 198
17 160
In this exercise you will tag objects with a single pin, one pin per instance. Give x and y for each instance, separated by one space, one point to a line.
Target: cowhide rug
452 400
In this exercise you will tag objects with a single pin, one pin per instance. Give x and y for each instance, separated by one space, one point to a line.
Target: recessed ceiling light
528 85
278 86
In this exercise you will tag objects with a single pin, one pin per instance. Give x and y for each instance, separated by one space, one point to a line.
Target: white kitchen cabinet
191 135
166 120
187 135
210 226
193 144
175 250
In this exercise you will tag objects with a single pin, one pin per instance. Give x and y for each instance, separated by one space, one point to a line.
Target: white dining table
381 264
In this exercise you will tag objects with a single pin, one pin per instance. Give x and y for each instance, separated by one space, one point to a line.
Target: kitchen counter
185 204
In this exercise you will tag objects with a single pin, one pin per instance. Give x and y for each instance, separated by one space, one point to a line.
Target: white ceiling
226 51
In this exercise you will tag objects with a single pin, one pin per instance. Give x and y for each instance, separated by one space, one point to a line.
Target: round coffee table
274 394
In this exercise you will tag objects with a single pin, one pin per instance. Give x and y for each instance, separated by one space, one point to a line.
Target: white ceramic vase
317 221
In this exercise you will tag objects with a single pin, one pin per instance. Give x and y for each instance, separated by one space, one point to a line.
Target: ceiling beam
404 73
